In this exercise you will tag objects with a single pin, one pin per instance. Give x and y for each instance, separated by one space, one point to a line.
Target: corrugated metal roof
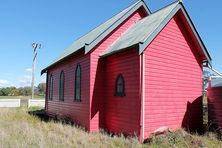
148 28
96 35
142 33
216 81
142 30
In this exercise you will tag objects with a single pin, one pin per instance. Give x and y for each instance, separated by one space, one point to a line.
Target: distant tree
27 91
13 91
23 91
20 91
41 88
5 91
1 92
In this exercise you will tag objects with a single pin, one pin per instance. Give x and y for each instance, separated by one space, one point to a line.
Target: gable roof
141 31
92 38
144 31
134 36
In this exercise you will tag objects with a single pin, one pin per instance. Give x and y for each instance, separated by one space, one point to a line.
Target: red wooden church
134 73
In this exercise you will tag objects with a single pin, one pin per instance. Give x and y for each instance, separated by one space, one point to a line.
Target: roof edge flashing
65 57
151 37
145 44
90 45
117 51
196 34
43 71
146 7
116 24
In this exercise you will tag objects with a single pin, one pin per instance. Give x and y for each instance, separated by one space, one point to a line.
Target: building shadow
193 118
98 97
41 114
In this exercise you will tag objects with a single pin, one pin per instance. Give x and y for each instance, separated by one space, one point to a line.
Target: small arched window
120 86
50 87
61 86
78 83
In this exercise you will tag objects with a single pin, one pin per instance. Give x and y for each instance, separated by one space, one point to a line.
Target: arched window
61 86
78 83
120 86
50 87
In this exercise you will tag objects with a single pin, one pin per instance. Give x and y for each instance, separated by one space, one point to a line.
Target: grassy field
20 129
21 97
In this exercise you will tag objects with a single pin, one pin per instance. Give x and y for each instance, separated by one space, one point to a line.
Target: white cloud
25 80
28 70
3 83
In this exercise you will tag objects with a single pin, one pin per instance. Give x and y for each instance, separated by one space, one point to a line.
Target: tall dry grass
19 129
22 130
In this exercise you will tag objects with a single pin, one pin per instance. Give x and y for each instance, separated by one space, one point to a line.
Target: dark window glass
120 86
61 86
78 83
50 87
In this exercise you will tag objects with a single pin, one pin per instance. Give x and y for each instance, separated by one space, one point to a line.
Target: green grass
20 129
21 97
10 97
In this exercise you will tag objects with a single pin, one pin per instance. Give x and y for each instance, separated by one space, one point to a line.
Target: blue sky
57 23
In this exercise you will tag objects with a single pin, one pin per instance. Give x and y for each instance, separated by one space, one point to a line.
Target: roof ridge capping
179 6
134 6
135 3
129 7
145 30
106 21
173 8
141 31
93 37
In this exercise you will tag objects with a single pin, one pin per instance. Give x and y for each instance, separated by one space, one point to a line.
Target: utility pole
35 46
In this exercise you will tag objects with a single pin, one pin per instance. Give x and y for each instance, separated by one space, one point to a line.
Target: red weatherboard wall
97 70
122 114
214 99
47 92
173 80
90 112
78 111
